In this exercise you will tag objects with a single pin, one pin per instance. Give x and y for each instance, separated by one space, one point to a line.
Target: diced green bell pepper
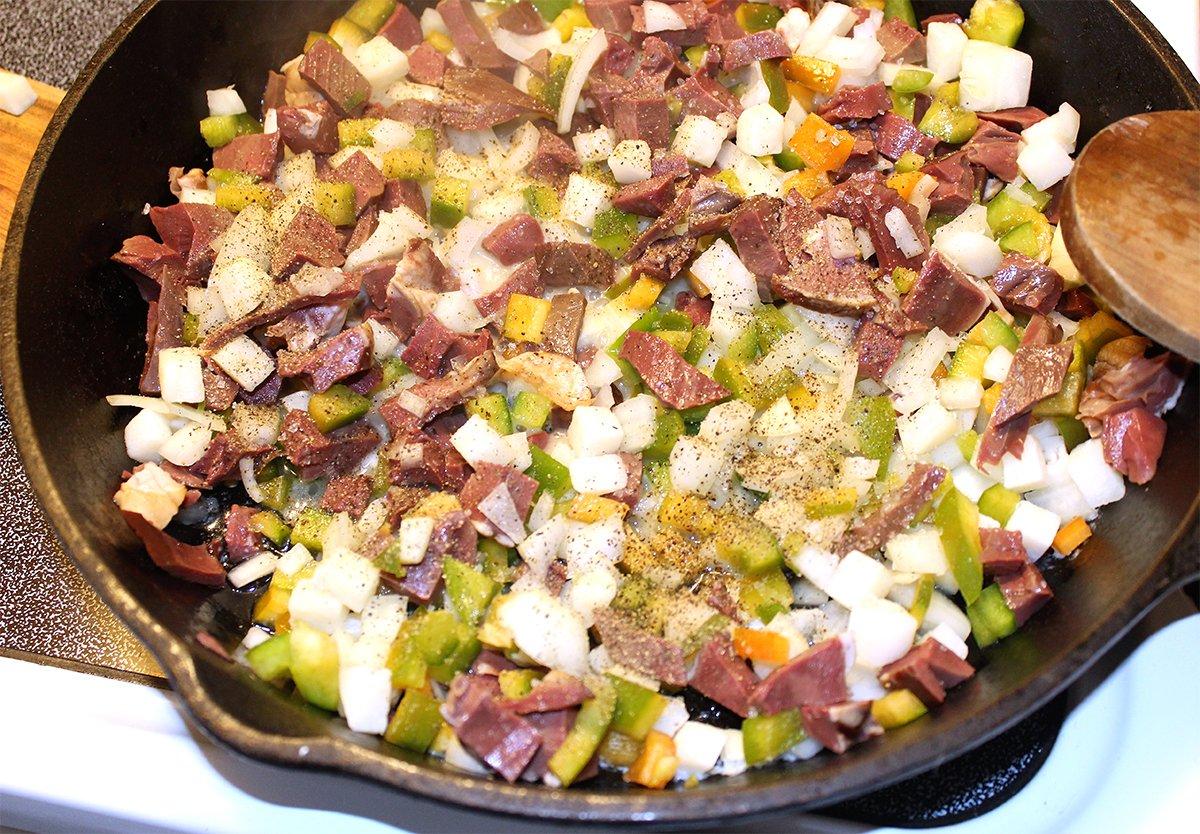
924 593
356 133
393 368
968 361
448 202
541 200
909 161
310 527
967 442
496 560
911 80
271 659
556 80
446 645
789 160
552 476
346 33
902 277
550 9
614 231
897 708
767 737
335 202
991 618
936 221
708 629
668 427
408 164
825 503
1031 239
339 406
993 332
517 683
530 411
998 502
1005 212
235 198
697 344
1066 402
957 520
219 131
271 526
636 708
313 37
582 741
757 17
469 591
902 9
748 545
949 122
275 480
874 420
370 14
228 176
416 722
314 665
1072 430
770 323
694 55
778 96
493 408
768 591
190 331
998 21
903 104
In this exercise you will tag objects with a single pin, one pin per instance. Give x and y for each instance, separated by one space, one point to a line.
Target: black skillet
72 333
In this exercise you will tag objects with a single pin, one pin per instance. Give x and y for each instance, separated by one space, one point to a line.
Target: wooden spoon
1131 222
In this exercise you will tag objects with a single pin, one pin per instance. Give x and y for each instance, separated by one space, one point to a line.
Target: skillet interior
72 332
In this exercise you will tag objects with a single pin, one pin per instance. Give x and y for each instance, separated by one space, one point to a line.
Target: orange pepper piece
655 766
814 73
766 646
903 184
821 145
808 183
1074 533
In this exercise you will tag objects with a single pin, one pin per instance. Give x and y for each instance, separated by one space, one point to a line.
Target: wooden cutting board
19 137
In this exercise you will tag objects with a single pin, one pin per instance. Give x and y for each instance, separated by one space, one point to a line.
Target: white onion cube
630 161
1044 163
247 363
698 746
594 145
920 551
760 130
145 434
882 630
928 427
598 475
479 443
699 139
594 431
380 62
366 697
1099 482
993 77
180 375
997 364
1036 525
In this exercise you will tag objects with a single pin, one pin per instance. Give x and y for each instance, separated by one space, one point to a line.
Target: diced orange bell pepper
766 646
814 73
821 145
655 766
808 183
903 184
1074 533
800 93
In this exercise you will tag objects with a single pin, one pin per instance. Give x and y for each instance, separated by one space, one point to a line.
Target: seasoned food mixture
663 387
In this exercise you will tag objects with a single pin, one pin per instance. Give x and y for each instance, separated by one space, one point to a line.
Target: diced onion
249 481
205 419
587 56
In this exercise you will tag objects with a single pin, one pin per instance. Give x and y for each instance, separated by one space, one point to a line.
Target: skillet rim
1167 572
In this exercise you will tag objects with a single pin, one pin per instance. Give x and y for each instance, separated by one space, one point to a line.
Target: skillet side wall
73 328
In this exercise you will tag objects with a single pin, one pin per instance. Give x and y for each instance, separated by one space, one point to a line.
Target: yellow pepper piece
568 19
592 508
800 93
730 180
656 765
697 286
801 398
814 73
903 184
820 145
436 505
1074 533
689 513
808 183
440 41
990 397
272 606
677 339
643 293
897 708
525 317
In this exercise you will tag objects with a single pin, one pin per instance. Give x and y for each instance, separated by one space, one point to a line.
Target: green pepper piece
381 477
911 80
448 202
991 618
550 9
1066 402
957 520
517 683
271 526
636 709
935 222
313 37
748 546
967 442
694 55
496 560
968 361
393 368
552 476
337 407
1005 213
948 122
908 161
767 737
697 344
924 593
998 502
1031 239
770 323
825 503
902 277
668 427
708 629
530 411
541 201
998 21
371 14
470 591
416 722
874 419
770 589
314 665
993 332
275 480
408 164
772 75
356 133
405 660
1072 430
585 736
219 131
190 332
335 202
493 408
556 80
902 9
757 17
446 645
789 160
235 198
614 231
310 527
346 33
227 176
903 104
271 659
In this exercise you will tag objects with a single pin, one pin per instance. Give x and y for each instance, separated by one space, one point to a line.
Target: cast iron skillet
72 333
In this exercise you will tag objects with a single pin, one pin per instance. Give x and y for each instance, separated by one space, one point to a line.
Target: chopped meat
494 733
1133 442
640 650
428 347
573 265
256 154
631 493
347 494
1123 378
898 510
755 230
1025 591
521 17
219 389
865 200
342 356
557 691
487 477
488 662
817 677
151 259
840 726
554 158
217 464
471 36
1076 304
1027 286
310 128
994 148
525 279
704 96
856 104
667 374
945 17
407 193
664 226
402 28
326 68
190 230
927 671
760 46
553 727
273 93
896 136
665 162
308 239
560 333
956 182
1037 372
426 65
453 536
643 117
439 395
648 197
321 455
615 16
1001 551
877 348
664 259
360 172
364 227
303 329
192 562
514 240
723 677
241 540
1014 118
817 280
944 297
619 57
699 310
437 464
902 44
476 99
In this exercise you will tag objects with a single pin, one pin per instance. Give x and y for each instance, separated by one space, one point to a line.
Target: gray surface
51 40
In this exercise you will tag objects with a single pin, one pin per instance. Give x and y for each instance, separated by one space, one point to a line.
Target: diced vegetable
998 21
636 708
271 659
991 618
525 317
585 736
416 722
992 332
820 145
748 545
957 520
370 14
314 665
657 763
219 131
468 590
998 503
339 406
614 231
530 411
816 74
900 9
767 737
335 202
757 644
1072 534
310 528
552 476
356 132
448 202
408 164
897 709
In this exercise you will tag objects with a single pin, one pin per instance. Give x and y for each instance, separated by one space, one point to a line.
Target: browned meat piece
877 348
956 182
668 374
554 158
648 198
368 182
428 347
426 65
308 239
525 279
631 493
439 395
497 735
453 536
816 279
402 28
1025 591
347 494
341 357
640 650
902 44
699 310
1076 304
573 265
865 200
723 677
703 96
319 455
487 477
840 726
219 390
310 128
760 46
1037 372
996 149
477 99
643 117
218 463
1001 551
191 562
521 17
256 154
553 727
241 541
612 15
896 136
898 510
1133 442
514 240
150 258
856 104
303 329
927 671
557 691
944 297
471 36
1027 286
190 229
560 333
815 678
755 230
664 259
326 68
273 93
1014 118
